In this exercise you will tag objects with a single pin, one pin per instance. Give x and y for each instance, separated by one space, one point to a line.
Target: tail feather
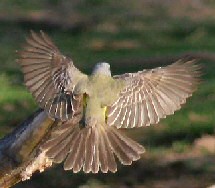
74 146
89 151
92 148
62 132
95 162
106 157
55 140
61 146
137 148
117 147
62 154
102 155
110 155
62 149
79 159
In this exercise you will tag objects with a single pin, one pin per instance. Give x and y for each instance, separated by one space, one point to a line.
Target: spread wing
50 76
153 94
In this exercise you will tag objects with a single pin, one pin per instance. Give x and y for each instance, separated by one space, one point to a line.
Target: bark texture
19 151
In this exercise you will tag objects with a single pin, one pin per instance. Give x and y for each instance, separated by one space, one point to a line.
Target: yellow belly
102 91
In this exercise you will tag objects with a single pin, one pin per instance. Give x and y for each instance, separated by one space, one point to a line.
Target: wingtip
43 34
192 64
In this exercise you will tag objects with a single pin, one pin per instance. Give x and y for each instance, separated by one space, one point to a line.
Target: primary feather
50 76
153 94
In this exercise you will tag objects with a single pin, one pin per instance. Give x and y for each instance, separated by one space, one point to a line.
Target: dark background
180 150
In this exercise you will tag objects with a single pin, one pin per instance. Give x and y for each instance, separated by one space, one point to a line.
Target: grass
118 35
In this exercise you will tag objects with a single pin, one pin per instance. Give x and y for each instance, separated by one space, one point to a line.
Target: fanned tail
91 149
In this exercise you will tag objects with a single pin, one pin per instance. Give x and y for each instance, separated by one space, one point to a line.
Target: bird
95 109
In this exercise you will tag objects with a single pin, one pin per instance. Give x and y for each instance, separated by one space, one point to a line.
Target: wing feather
49 76
150 95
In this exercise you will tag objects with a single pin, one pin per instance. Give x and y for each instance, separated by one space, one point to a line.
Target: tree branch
19 153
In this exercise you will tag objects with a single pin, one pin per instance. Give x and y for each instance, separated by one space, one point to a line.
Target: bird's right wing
50 76
150 95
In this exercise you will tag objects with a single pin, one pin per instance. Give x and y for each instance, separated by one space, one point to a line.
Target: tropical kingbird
94 107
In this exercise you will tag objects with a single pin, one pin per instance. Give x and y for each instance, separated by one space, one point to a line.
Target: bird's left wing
153 94
50 76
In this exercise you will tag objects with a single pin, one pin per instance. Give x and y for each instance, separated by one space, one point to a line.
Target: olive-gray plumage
93 108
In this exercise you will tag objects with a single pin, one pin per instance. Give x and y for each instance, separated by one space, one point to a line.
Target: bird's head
102 68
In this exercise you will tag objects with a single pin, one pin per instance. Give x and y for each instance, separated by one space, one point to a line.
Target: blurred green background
180 150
